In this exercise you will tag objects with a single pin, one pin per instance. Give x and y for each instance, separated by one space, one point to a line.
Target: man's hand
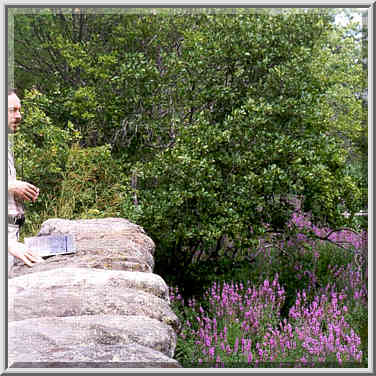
20 251
23 190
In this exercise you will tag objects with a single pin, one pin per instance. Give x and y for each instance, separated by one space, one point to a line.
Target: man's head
14 108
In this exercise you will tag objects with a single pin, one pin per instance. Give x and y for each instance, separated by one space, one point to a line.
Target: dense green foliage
201 127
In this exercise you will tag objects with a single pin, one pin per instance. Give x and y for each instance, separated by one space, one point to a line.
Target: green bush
41 151
264 133
92 185
74 181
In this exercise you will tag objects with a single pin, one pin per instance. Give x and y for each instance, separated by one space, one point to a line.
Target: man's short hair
11 91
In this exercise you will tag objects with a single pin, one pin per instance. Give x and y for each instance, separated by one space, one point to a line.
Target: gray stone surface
82 292
95 259
85 278
100 307
98 234
106 243
94 356
51 333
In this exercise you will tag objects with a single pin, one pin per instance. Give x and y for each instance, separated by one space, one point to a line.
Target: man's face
14 114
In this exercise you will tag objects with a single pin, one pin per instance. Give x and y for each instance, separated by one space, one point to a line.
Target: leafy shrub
231 168
74 182
41 151
92 185
41 147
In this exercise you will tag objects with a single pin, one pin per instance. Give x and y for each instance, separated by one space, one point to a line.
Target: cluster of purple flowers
241 324
237 315
351 278
345 237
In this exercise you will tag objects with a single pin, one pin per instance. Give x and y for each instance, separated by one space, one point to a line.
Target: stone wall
101 307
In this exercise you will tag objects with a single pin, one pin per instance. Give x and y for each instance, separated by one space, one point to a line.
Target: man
18 191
